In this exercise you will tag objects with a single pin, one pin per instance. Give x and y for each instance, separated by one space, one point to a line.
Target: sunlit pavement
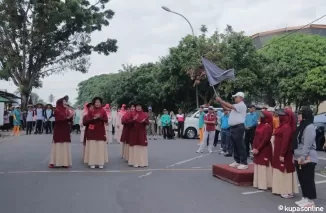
176 181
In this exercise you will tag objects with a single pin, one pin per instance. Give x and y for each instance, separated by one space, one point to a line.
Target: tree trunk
24 101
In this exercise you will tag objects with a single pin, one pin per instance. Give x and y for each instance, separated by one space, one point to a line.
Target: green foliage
295 71
39 38
171 82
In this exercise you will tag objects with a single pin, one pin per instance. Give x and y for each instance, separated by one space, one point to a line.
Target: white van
191 129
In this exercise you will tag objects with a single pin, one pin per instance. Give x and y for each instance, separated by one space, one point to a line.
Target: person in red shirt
210 123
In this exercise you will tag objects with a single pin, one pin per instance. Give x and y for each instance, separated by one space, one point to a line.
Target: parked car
320 118
191 123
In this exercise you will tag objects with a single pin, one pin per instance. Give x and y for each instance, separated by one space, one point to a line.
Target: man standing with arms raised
236 122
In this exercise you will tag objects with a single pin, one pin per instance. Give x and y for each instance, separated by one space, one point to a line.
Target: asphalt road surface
177 181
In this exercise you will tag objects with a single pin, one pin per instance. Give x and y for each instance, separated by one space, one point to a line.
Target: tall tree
42 37
295 69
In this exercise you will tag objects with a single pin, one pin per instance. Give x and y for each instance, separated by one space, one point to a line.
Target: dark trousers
249 138
165 131
29 127
306 177
217 132
23 124
225 141
239 149
113 130
180 129
48 127
39 126
52 124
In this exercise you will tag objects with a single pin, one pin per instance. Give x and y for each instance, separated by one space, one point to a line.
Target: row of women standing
282 154
131 125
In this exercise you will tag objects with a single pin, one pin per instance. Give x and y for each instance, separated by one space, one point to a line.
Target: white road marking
198 167
147 174
253 192
320 175
321 158
188 160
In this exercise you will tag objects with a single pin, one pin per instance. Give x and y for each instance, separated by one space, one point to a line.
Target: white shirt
238 116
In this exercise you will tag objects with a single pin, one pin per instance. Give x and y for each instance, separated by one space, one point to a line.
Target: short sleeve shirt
210 117
238 116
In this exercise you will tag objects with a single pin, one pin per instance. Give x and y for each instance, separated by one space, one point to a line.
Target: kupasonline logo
300 209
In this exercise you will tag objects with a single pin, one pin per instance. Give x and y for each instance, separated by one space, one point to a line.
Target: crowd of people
96 132
282 151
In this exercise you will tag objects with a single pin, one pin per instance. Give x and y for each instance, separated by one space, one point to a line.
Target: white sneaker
210 151
234 165
92 167
300 201
307 203
199 151
222 152
242 167
287 196
100 167
136 166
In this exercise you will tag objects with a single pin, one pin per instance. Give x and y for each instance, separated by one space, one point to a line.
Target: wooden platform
234 175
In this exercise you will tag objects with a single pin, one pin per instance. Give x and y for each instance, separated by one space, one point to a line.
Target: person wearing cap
284 176
166 121
61 143
262 151
39 113
48 114
29 119
17 121
250 127
209 133
237 129
151 126
201 124
305 156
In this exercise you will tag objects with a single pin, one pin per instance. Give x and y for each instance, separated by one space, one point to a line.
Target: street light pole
193 35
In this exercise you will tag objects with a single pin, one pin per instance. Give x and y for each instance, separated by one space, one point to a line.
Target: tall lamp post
193 34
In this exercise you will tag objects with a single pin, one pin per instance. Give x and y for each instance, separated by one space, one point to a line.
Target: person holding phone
61 144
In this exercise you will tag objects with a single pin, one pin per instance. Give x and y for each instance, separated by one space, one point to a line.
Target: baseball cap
239 94
210 107
251 106
149 108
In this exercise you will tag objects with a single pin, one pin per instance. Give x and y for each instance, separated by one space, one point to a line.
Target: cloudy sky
145 32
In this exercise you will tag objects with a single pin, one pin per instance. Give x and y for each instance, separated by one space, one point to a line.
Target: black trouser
113 130
306 177
48 127
180 129
39 126
217 132
236 138
29 127
165 131
249 138
52 124
23 124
